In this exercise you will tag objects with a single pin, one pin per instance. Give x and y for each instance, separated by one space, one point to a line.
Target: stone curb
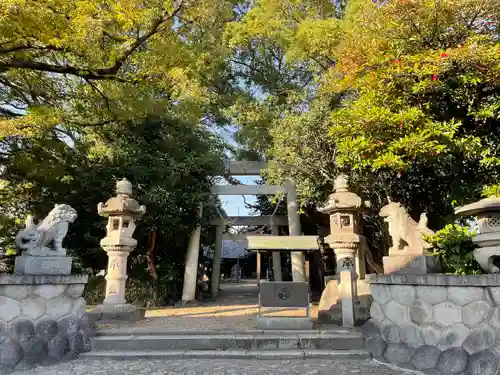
162 332
395 367
297 341
43 279
492 279
229 354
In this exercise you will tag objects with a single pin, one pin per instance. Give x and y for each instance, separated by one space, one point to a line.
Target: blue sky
234 205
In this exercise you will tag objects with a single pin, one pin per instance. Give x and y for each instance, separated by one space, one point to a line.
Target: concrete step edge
235 354
155 332
262 336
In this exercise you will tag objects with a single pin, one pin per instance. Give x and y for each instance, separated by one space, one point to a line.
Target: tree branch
88 74
28 46
98 74
7 112
14 87
106 100
139 41
252 68
474 18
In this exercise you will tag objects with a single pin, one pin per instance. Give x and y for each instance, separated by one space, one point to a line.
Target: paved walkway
234 310
214 367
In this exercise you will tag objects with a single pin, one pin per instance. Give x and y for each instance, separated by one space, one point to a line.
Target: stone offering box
42 320
438 324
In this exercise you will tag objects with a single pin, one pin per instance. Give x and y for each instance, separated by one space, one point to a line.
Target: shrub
94 290
453 246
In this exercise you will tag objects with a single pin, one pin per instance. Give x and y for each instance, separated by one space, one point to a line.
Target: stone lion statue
35 239
406 233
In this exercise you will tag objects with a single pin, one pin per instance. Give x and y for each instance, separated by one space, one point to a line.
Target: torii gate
244 168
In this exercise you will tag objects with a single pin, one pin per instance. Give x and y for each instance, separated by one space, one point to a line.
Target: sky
234 205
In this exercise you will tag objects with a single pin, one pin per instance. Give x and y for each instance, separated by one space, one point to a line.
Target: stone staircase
147 344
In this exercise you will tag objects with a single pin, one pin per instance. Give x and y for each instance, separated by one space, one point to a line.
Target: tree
92 63
404 97
170 164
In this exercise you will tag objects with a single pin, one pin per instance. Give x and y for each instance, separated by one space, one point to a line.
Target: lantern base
122 312
411 264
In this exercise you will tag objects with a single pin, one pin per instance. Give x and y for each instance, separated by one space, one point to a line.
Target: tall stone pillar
348 295
294 228
214 283
192 263
121 211
276 256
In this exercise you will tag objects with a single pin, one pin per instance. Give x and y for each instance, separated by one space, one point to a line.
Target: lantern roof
490 204
342 199
122 204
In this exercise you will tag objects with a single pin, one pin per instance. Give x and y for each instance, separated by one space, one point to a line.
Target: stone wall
438 324
42 320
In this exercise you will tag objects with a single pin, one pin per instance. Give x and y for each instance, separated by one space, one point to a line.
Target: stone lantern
487 212
344 208
121 211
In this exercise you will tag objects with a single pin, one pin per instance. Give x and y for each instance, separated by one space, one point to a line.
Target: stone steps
282 344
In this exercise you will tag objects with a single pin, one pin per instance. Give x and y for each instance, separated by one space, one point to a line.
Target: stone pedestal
115 306
42 320
117 311
42 265
411 264
346 259
330 306
347 296
116 275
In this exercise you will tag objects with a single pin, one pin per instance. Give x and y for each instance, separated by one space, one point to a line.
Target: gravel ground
215 367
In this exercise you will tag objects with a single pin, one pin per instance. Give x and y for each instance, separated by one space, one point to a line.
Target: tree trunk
152 265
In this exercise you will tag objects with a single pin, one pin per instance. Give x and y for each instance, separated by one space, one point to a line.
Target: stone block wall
437 324
42 320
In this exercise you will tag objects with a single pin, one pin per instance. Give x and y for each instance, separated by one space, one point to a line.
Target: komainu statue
35 239
406 233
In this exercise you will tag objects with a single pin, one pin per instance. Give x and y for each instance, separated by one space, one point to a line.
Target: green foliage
453 246
403 96
138 291
97 62
389 86
491 190
94 290
170 164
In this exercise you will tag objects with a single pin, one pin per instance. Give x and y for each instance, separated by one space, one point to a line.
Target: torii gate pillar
294 228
